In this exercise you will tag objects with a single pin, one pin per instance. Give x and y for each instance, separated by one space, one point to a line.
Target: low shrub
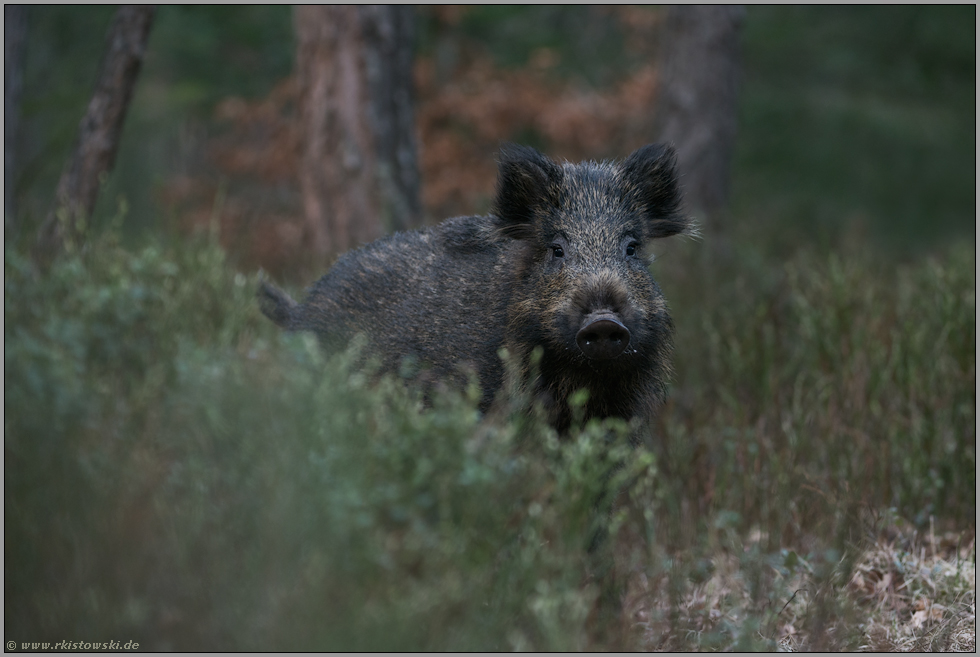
180 473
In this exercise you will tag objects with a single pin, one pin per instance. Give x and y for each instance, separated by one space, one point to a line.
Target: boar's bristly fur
559 268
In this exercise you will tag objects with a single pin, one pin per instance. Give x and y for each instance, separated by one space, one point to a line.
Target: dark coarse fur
563 245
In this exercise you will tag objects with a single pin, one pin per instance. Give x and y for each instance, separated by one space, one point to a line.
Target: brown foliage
463 123
264 141
247 191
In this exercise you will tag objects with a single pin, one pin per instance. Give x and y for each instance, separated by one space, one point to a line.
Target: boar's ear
650 185
527 181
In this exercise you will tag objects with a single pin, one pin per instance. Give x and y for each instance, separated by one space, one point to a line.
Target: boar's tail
277 305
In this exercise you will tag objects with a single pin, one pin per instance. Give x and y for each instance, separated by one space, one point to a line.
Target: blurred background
850 121
179 472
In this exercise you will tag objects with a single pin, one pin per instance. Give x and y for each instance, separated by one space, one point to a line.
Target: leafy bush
179 472
176 471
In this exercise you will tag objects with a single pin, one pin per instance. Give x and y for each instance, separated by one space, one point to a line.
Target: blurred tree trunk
359 172
14 40
98 133
697 108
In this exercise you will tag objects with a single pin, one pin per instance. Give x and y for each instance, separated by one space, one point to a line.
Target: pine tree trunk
389 35
697 107
359 173
14 41
95 149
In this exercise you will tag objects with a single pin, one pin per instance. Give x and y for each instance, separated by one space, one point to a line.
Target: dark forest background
849 119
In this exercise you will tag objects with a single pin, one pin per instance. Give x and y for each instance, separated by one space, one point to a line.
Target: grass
859 373
179 472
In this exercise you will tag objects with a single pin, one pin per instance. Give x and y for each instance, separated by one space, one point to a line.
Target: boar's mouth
602 336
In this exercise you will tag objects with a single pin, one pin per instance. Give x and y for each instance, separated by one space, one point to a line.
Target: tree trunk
98 133
389 35
14 40
359 173
697 107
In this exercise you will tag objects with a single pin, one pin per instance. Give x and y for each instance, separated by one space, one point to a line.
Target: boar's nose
602 336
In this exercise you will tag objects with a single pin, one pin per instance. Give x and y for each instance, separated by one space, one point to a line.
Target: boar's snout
602 336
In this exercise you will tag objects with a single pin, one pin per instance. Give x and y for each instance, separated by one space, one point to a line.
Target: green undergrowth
846 375
179 472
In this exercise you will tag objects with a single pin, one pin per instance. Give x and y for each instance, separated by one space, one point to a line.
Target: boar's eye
631 249
557 251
